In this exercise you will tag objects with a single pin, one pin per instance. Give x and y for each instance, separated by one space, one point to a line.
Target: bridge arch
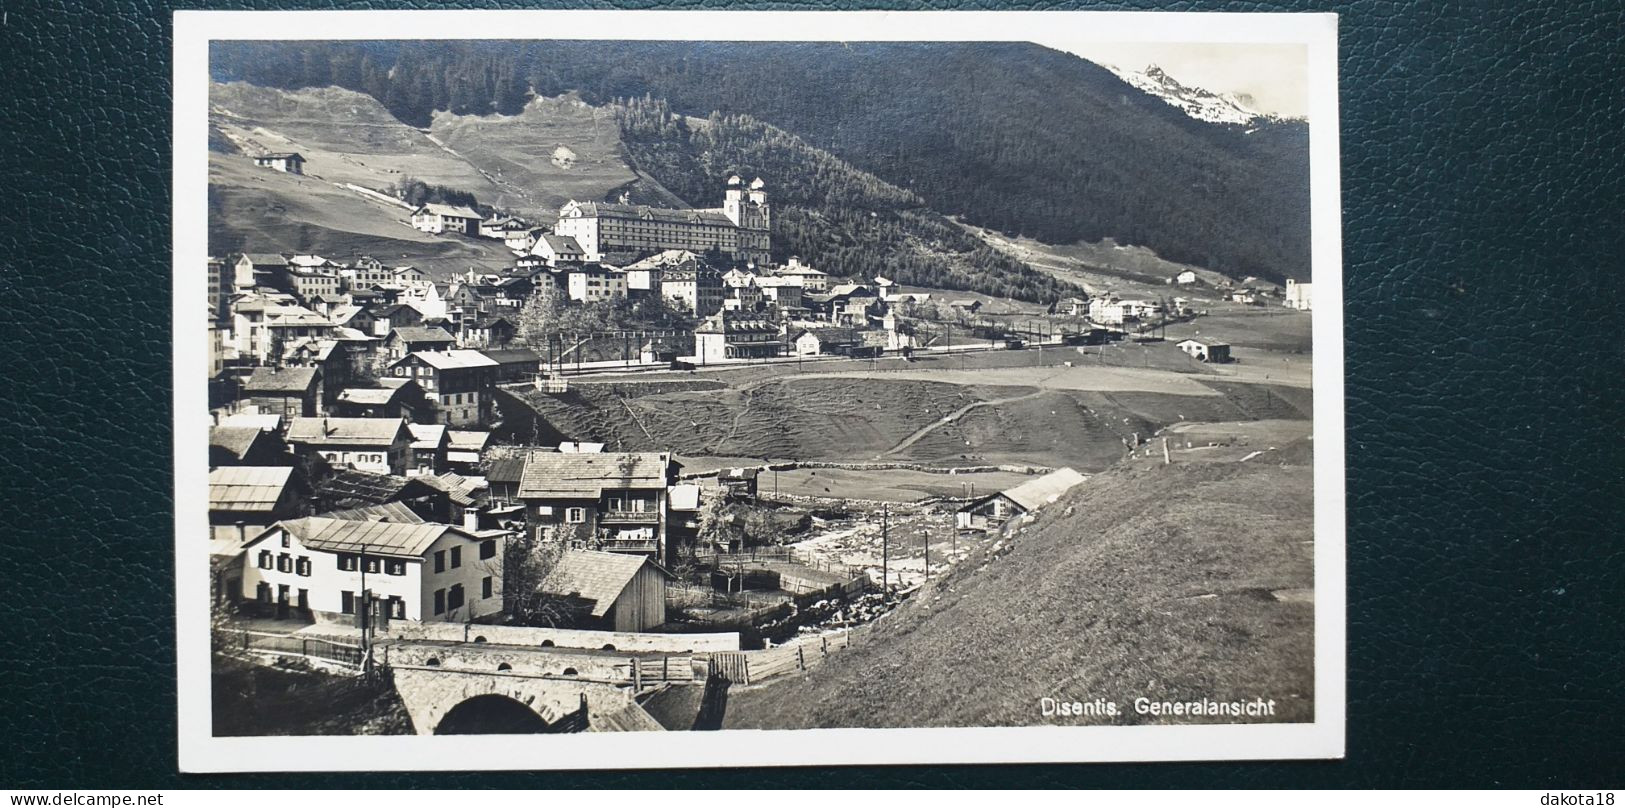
492 714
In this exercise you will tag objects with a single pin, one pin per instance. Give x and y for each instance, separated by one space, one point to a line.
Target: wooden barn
619 592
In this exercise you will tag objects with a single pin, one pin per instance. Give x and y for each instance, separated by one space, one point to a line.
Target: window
440 601
265 559
575 516
347 602
485 587
488 549
454 600
394 566
302 567
286 540
262 593
397 608
371 563
456 557
348 562
440 561
284 563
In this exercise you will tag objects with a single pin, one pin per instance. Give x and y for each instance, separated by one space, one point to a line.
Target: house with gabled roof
286 162
555 249
246 446
253 496
322 569
615 592
599 501
401 398
404 340
993 511
290 392
737 335
377 445
428 449
459 383
353 488
438 218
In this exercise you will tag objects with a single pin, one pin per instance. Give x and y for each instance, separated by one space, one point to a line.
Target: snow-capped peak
1196 102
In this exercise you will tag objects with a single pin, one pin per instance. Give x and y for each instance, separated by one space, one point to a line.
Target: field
517 153
1171 582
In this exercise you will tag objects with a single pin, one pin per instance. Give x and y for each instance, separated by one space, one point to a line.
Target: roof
457 488
585 476
831 335
713 216
247 488
685 497
1035 493
448 210
1206 343
453 360
746 473
347 431
421 333
468 440
506 470
265 422
851 290
280 380
387 512
558 244
427 436
368 487
235 439
375 538
368 395
595 576
512 356
281 156
732 325
271 259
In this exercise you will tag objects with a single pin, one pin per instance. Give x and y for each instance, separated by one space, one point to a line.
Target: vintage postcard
684 389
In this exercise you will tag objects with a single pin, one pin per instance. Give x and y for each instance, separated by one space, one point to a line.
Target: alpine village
566 410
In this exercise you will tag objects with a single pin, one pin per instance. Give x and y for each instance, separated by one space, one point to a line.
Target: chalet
253 496
246 446
616 592
437 218
465 448
499 227
683 519
291 392
429 444
554 250
1297 295
966 305
394 316
402 341
287 162
822 341
352 488
462 495
991 512
1071 307
739 482
1206 350
1247 296
515 364
614 502
522 241
1185 277
848 304
320 568
459 383
378 445
502 476
728 335
403 400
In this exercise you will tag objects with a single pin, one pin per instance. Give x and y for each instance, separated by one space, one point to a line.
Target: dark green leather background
1483 216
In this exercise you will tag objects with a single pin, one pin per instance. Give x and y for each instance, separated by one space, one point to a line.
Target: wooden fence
753 667
644 673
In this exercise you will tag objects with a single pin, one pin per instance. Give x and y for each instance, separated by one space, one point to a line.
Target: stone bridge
466 688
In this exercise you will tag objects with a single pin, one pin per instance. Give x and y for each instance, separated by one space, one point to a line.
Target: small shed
991 512
1206 350
618 592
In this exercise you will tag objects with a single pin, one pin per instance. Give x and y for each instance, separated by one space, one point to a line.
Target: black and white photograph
824 387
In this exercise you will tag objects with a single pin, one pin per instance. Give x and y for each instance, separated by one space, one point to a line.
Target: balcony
629 517
629 546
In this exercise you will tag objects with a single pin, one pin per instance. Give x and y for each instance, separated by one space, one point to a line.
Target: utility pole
927 533
366 614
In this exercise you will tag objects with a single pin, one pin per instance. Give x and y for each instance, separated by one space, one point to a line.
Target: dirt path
955 416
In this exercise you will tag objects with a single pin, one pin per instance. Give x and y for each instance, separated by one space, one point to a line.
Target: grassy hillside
521 154
1175 583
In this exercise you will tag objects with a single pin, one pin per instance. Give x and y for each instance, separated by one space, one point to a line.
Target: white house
319 567
1206 350
438 218
1185 277
1297 295
377 445
812 280
586 284
555 249
289 162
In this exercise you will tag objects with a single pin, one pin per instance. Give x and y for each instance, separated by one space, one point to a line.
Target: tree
538 318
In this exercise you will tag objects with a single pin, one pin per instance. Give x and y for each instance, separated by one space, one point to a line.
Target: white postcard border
199 751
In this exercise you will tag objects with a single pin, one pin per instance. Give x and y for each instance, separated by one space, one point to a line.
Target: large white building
740 228
318 567
1297 295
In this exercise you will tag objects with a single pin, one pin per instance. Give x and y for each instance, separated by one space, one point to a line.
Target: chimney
471 520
